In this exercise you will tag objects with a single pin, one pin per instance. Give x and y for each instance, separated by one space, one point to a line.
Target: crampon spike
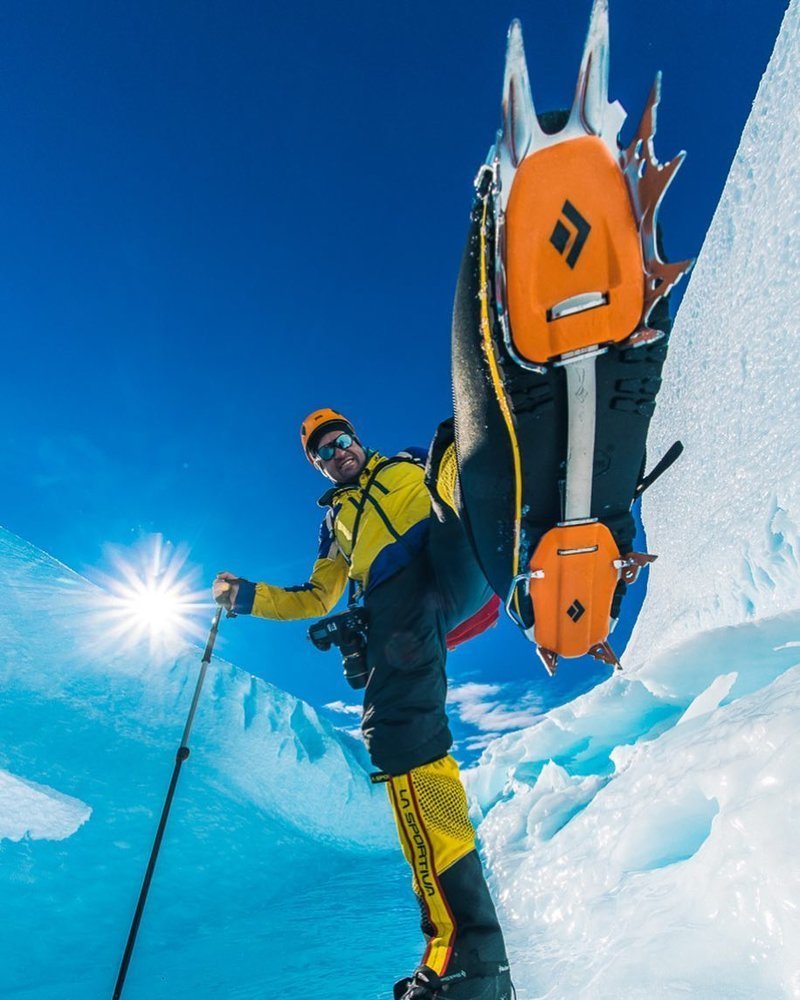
648 181
520 124
549 659
602 651
591 91
630 565
520 133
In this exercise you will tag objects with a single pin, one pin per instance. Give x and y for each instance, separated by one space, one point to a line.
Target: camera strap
353 593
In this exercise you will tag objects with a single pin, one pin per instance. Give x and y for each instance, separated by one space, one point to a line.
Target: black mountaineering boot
423 985
400 988
426 985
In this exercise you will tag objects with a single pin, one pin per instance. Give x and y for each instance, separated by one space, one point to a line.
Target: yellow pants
438 841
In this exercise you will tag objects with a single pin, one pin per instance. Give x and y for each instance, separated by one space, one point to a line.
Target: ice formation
37 812
274 817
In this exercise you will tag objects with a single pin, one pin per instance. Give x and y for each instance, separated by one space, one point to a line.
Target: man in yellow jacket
403 550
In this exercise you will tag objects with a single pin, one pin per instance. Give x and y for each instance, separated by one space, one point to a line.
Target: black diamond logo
576 610
560 237
561 234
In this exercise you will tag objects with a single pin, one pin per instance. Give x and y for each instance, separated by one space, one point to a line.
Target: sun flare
151 595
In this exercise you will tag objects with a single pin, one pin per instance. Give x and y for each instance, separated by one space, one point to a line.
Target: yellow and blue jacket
374 526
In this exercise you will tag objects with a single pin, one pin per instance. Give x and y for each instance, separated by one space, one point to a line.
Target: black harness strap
352 596
365 496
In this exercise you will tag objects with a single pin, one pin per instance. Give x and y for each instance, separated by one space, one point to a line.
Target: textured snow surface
643 839
726 521
38 812
257 741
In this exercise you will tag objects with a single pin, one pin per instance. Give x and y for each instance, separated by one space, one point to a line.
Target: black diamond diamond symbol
576 610
561 234
560 237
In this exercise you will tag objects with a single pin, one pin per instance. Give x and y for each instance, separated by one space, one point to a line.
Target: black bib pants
407 733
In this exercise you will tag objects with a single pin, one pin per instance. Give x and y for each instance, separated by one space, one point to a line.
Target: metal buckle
534 574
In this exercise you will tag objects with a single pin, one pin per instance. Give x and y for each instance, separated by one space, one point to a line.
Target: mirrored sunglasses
327 451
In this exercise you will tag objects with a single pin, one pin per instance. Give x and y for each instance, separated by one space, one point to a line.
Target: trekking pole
180 757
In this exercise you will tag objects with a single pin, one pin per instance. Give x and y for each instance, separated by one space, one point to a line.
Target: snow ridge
252 739
275 816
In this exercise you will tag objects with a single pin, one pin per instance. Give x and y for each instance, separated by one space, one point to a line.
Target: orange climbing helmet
316 424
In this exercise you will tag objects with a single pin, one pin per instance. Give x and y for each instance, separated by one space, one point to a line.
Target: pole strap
671 456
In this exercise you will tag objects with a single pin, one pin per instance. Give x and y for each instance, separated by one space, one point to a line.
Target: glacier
640 839
273 825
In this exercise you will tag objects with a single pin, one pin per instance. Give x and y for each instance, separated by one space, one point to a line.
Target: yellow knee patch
447 477
443 805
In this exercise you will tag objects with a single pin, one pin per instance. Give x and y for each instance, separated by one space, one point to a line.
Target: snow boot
559 335
426 985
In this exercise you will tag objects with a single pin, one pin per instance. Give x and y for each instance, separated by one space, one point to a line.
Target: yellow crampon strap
430 810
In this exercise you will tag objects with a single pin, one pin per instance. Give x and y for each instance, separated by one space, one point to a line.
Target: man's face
346 462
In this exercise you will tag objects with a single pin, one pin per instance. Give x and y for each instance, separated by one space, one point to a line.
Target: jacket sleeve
312 599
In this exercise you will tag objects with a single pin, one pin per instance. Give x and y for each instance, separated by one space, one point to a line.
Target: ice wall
725 521
257 742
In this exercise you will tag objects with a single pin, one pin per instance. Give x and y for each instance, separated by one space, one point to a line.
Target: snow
726 522
258 742
668 865
642 839
38 812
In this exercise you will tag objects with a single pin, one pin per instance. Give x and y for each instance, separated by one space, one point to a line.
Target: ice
37 812
725 524
274 818
257 741
642 840
710 699
678 873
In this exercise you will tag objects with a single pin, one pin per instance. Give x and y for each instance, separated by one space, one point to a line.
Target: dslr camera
348 631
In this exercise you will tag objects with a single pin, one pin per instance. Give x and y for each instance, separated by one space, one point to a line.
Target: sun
151 596
154 605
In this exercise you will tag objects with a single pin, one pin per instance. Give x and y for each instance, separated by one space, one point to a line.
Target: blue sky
217 217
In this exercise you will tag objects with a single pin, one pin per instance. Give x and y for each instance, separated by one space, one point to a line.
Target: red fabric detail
485 618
